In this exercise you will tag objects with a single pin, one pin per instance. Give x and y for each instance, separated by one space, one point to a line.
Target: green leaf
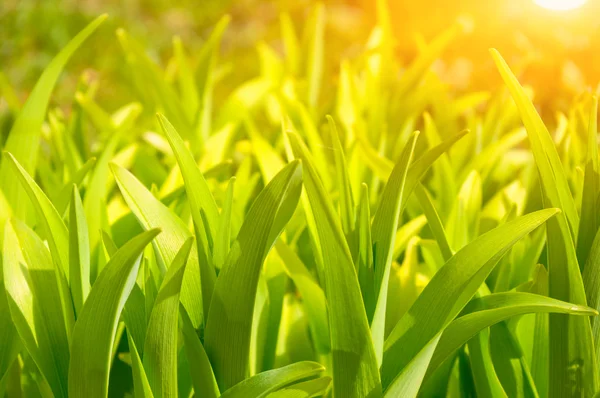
590 216
11 343
24 137
151 213
203 207
160 348
408 383
488 310
96 327
355 369
383 230
228 331
203 378
53 226
565 282
450 290
305 389
313 297
262 384
343 181
222 240
35 299
79 252
62 200
434 221
141 387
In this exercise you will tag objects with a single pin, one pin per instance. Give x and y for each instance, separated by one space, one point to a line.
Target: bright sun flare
560 5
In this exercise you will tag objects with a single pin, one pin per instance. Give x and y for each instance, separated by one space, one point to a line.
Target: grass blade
355 369
383 229
228 331
95 330
151 213
203 207
35 301
449 290
24 137
141 387
79 252
160 348
262 384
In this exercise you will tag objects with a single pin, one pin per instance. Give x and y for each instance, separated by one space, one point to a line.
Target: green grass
292 240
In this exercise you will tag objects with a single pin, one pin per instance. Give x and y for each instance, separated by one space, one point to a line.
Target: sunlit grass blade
355 369
160 348
96 327
434 221
24 138
228 331
53 226
11 342
408 382
79 252
203 378
305 389
565 281
488 310
347 211
383 230
151 213
64 196
35 300
312 294
449 291
485 379
141 387
203 207
222 240
262 384
590 216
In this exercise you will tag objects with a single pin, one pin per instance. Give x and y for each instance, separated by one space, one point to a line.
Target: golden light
560 5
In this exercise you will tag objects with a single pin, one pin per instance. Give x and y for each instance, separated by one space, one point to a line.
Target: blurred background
553 51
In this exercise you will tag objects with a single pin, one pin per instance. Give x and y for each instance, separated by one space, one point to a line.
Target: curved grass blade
488 310
383 230
262 384
24 137
355 369
53 226
203 378
312 294
222 241
141 387
96 328
151 213
228 331
565 281
160 348
62 200
79 252
450 289
35 301
305 389
203 207
546 157
434 221
408 383
343 181
590 216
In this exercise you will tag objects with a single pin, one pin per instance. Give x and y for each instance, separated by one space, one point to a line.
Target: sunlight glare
560 5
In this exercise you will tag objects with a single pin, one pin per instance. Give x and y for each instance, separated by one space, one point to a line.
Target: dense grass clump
297 237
